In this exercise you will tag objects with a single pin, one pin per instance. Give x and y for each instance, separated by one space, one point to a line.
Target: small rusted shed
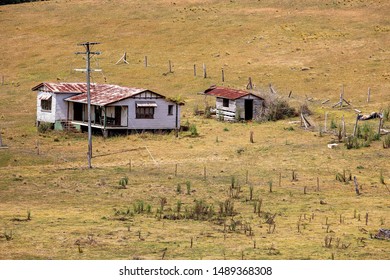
234 104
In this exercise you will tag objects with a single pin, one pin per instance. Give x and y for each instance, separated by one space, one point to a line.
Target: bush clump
275 108
44 127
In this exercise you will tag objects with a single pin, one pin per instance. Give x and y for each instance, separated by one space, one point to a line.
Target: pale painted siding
71 114
43 115
61 106
124 116
161 118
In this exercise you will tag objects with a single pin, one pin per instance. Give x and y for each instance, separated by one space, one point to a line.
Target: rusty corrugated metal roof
62 87
101 95
228 93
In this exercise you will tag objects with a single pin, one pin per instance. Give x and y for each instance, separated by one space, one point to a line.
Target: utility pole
88 54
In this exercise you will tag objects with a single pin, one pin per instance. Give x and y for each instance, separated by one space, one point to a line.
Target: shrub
207 112
178 188
386 114
45 127
193 130
366 131
280 109
123 182
178 206
138 207
386 142
275 108
352 143
188 184
382 178
333 124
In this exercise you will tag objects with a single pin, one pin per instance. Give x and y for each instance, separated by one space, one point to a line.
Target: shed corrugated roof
228 93
101 95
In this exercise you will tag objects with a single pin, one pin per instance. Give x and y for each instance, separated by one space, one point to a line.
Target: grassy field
217 195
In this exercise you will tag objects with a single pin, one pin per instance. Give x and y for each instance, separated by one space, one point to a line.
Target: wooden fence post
280 179
380 126
169 66
326 120
146 61
204 71
343 126
37 146
355 127
250 85
194 70
318 184
356 185
368 95
1 141
223 76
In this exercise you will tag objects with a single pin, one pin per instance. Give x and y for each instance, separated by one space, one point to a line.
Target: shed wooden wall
238 105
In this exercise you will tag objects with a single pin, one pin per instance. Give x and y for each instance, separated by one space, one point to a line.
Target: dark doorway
98 115
118 113
248 109
77 111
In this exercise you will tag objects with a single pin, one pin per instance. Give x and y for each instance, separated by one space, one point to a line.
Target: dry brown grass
342 43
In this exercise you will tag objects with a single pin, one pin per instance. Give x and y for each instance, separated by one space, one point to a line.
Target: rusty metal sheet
101 94
225 92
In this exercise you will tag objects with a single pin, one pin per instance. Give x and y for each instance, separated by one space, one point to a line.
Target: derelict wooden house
234 104
112 107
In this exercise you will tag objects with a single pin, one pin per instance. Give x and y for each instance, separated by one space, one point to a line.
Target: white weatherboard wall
59 107
45 115
61 110
161 118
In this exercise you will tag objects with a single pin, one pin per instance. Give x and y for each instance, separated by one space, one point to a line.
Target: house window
144 113
46 104
170 110
225 102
